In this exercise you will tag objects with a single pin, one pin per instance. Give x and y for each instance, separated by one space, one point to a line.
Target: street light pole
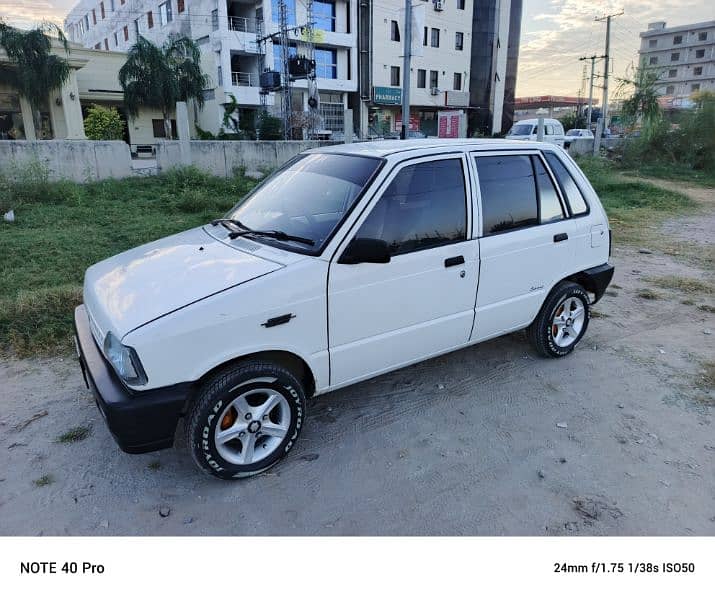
406 70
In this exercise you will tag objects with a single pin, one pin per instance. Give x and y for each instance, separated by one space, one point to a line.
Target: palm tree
34 71
159 77
643 102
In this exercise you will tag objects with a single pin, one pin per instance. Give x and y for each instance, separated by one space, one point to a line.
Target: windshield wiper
282 236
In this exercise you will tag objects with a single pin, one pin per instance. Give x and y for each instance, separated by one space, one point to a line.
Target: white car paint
196 300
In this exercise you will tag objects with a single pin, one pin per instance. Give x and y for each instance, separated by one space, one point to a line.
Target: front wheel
245 419
562 321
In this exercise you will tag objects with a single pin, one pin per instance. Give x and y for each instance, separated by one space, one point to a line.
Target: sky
554 34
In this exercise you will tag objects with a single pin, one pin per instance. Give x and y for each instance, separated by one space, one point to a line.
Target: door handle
453 262
560 237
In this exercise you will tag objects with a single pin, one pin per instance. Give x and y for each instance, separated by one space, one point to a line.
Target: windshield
521 129
307 198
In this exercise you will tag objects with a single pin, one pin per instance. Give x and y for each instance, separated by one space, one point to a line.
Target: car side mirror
365 250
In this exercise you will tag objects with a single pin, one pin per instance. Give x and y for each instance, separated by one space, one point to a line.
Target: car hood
140 285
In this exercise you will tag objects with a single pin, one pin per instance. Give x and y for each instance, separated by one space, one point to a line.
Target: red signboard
414 122
448 124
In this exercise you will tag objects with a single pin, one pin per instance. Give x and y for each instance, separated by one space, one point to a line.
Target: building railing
244 79
243 24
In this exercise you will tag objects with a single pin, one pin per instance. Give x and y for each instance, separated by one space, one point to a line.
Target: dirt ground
616 439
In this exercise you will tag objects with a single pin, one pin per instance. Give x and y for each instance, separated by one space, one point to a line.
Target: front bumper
138 421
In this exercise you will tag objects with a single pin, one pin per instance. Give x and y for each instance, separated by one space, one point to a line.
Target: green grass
76 434
44 480
683 284
63 228
674 173
634 208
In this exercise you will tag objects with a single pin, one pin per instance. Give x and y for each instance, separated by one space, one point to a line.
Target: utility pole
590 86
607 65
407 59
286 98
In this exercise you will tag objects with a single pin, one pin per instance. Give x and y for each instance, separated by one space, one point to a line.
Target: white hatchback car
348 262
528 129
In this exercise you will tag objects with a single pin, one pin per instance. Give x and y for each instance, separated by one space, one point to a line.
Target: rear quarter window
569 188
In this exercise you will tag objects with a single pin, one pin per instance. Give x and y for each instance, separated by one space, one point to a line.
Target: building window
116 39
695 87
122 2
324 14
702 36
136 28
86 22
433 79
698 71
158 126
149 20
460 4
700 54
394 75
126 33
111 5
459 41
670 90
653 60
678 39
673 73
675 56
434 42
94 17
106 44
326 63
165 15
421 78
425 36
290 11
652 43
101 9
457 81
394 31
180 6
214 19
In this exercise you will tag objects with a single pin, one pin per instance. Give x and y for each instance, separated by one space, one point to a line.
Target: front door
525 246
382 316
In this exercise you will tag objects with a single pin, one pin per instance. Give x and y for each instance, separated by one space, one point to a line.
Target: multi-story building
236 46
683 55
468 57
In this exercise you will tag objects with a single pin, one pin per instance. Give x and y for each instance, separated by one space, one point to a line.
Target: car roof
387 147
534 121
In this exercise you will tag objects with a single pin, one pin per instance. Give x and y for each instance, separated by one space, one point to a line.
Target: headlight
124 360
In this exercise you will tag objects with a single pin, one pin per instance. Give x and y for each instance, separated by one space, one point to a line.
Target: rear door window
549 203
508 193
569 188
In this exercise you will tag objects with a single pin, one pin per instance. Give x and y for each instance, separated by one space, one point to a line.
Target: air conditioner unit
439 4
434 91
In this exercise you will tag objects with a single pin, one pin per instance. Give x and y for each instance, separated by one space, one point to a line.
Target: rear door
382 316
524 242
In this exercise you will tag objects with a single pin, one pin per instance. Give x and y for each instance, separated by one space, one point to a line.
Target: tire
551 334
245 419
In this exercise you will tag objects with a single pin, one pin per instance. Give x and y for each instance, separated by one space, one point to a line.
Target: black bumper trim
599 277
139 421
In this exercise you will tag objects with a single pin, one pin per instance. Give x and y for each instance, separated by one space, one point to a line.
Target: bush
270 127
103 123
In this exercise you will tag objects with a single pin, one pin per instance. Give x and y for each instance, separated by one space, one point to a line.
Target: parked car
348 262
527 129
577 134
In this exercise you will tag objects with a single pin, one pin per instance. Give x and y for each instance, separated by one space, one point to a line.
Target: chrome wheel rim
252 426
568 320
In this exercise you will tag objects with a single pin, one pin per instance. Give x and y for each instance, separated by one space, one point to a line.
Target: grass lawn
62 228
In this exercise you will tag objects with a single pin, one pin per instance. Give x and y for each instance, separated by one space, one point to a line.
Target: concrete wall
223 158
75 160
579 147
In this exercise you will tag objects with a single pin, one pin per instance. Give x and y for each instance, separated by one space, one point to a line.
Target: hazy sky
554 34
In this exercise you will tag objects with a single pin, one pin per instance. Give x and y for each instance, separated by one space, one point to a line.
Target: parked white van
527 130
348 262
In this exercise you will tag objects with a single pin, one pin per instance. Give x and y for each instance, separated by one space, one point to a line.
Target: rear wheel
562 321
245 419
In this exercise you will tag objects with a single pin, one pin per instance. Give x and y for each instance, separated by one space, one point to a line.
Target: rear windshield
309 198
521 129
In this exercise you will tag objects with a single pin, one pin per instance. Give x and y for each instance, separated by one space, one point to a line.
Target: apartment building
683 55
235 43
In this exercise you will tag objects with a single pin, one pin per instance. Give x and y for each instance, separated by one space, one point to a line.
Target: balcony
244 79
245 24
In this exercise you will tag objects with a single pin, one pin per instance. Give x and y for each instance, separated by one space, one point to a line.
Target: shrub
103 123
270 127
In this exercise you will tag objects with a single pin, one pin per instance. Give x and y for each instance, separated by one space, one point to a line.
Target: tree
573 121
270 127
35 71
159 77
642 104
102 123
